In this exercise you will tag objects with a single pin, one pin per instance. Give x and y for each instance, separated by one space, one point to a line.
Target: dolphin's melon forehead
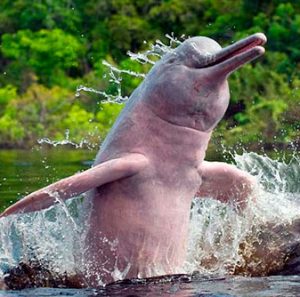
201 44
197 51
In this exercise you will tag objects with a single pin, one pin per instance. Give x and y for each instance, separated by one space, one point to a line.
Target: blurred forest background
50 47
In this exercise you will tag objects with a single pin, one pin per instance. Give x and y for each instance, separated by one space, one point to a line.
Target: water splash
115 75
222 240
259 240
108 98
49 240
82 144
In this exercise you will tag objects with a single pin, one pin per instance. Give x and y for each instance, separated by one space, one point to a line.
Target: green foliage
48 48
7 93
49 54
107 116
11 131
34 15
266 98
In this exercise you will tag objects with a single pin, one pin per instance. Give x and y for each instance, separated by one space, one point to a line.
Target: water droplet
77 94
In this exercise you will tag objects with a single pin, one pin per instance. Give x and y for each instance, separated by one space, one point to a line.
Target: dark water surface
24 171
275 286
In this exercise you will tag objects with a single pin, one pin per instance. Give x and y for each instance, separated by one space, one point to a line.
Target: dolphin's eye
172 60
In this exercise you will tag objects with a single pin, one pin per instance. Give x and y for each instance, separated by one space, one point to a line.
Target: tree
48 54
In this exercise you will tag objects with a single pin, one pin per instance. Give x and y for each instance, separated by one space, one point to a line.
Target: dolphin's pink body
151 164
168 120
147 213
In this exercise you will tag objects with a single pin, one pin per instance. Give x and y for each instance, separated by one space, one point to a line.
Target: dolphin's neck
139 130
178 134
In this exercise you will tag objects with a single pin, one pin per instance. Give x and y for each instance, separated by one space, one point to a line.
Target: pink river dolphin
151 165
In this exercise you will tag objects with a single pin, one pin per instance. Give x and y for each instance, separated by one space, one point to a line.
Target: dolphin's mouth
239 53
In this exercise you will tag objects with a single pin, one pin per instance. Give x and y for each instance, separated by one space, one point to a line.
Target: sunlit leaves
47 53
7 93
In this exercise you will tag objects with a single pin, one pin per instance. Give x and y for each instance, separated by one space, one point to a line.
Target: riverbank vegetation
49 48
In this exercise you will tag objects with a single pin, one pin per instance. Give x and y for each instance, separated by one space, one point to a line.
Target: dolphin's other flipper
226 183
74 185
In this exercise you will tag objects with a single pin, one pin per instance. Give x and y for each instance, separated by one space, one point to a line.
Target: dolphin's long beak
234 56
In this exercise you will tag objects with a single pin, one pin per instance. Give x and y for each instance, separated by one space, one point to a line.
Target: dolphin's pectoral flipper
74 185
226 183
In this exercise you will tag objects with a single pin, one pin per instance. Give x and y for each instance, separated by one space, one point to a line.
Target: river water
23 171
276 286
221 240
